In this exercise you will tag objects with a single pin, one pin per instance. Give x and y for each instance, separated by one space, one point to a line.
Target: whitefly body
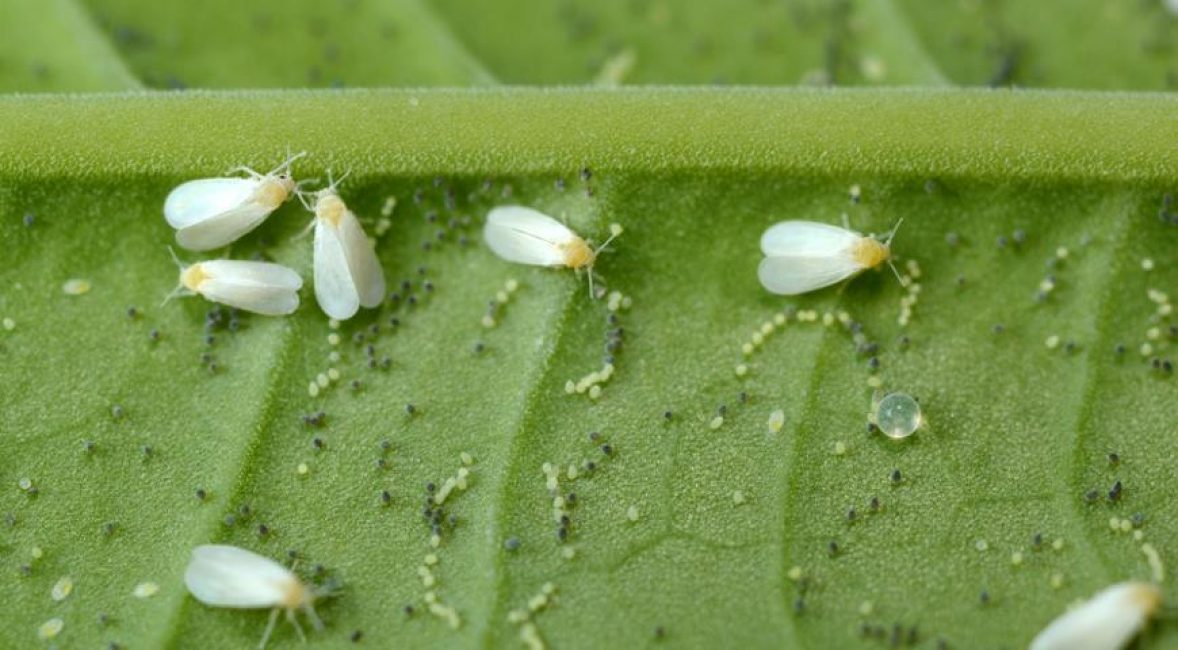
259 287
348 274
802 256
1108 621
232 577
210 213
527 236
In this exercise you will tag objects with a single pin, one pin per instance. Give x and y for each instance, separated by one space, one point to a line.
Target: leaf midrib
979 134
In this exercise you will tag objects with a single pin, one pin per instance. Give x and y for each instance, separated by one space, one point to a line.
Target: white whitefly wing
196 201
227 576
256 273
526 236
223 229
789 276
259 287
1106 622
367 275
806 239
334 287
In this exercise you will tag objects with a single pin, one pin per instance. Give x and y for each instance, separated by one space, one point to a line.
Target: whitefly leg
269 628
290 616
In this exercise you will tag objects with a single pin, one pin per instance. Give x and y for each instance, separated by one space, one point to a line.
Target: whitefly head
278 184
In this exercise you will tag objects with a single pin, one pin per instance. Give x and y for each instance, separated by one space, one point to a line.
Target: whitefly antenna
891 235
179 285
614 231
285 166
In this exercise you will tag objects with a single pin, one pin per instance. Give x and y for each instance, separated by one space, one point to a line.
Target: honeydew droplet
1016 558
840 448
1062 252
302 469
146 589
738 497
76 286
9 324
981 545
1052 342
50 629
36 553
741 370
794 573
866 608
1147 264
632 513
568 552
898 415
1057 544
25 484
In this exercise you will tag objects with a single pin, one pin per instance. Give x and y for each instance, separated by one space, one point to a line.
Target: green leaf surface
1017 432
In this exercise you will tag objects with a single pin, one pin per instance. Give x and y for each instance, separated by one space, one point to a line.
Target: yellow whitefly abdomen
577 254
869 253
